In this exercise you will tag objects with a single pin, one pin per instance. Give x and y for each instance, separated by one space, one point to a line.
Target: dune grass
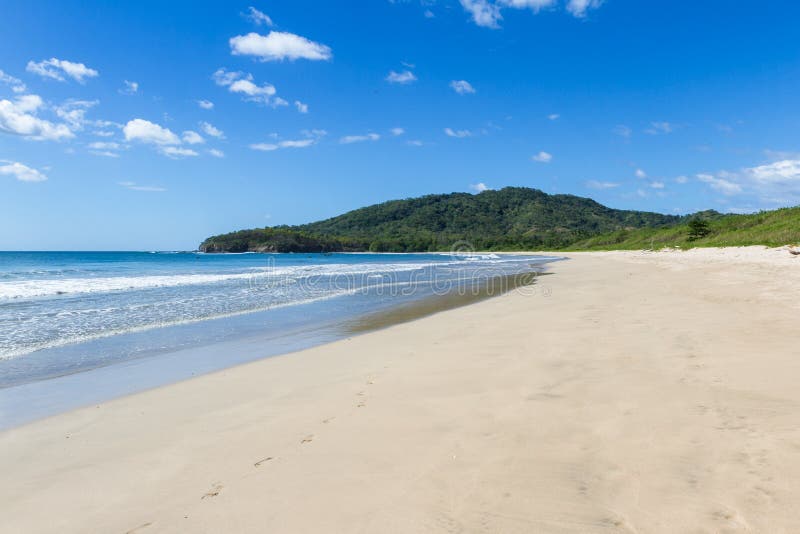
769 228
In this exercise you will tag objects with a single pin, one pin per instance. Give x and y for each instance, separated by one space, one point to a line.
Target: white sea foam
36 288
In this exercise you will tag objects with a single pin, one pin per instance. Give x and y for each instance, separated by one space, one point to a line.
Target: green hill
513 218
770 228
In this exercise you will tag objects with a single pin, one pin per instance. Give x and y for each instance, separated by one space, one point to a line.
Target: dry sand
631 392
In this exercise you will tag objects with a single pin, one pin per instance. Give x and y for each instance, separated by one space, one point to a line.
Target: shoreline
641 392
22 403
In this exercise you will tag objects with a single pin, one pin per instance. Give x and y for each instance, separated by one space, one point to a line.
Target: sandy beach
629 392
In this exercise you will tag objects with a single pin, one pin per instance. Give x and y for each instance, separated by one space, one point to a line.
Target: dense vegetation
770 228
508 219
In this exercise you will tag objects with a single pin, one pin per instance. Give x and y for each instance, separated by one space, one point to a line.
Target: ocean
141 319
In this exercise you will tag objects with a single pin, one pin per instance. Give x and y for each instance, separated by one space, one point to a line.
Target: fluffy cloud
480 187
297 143
21 172
216 153
640 173
723 185
191 137
242 83
19 117
348 139
278 46
579 7
462 87
553 116
657 185
73 112
212 131
483 12
177 152
486 13
457 133
775 183
594 184
397 131
58 68
129 88
149 132
16 84
103 148
258 18
542 157
301 107
404 77
205 104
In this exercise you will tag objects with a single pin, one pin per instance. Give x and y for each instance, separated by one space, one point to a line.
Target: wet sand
629 392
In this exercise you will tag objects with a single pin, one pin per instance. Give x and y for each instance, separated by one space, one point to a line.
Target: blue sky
109 140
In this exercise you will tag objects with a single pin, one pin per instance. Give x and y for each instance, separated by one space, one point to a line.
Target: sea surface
80 327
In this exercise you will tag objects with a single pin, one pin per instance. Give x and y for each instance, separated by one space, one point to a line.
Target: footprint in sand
258 463
140 527
215 489
307 439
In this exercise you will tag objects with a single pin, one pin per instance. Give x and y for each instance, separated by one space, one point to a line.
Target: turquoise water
67 313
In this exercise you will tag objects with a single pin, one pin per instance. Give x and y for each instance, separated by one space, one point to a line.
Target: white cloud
404 77
242 83
483 13
101 145
291 143
622 131
258 18
659 128
657 185
21 172
105 153
147 188
780 172
534 5
177 152
130 88
348 139
594 184
397 131
216 153
457 133
487 13
264 147
149 132
724 186
19 117
640 173
191 137
73 112
428 14
682 179
205 104
210 130
16 84
480 187
278 46
302 108
414 142
554 116
462 87
579 7
58 68
542 157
